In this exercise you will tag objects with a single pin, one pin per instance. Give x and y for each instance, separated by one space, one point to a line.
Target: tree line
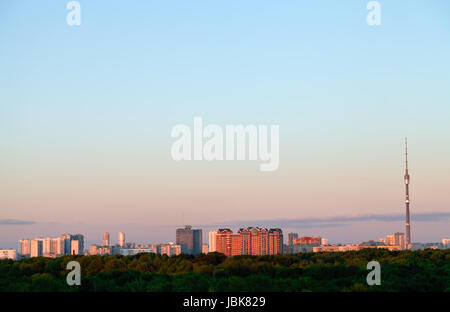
425 270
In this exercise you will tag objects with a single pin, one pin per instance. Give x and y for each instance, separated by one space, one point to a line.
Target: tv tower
408 226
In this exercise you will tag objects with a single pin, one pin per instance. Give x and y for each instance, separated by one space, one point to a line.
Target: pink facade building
247 241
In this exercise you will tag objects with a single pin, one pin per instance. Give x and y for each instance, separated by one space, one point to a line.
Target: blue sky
86 112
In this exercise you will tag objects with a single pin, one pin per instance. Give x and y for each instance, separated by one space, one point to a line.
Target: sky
86 114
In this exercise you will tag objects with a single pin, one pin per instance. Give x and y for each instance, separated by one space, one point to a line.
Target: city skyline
249 240
306 230
442 216
335 228
245 241
86 115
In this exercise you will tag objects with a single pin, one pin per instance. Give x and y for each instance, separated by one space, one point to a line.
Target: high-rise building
121 239
205 248
291 237
36 248
275 242
24 247
212 241
77 244
52 246
190 240
106 239
247 241
75 247
46 244
198 241
221 241
57 246
397 239
66 242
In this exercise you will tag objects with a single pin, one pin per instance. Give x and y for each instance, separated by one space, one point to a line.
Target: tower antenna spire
406 152
408 227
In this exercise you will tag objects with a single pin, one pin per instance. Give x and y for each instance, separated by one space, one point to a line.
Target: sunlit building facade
396 239
36 248
106 239
99 250
247 241
8 254
308 240
121 239
291 237
24 247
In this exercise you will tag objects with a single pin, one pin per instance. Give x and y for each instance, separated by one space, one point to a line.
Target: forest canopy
420 271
